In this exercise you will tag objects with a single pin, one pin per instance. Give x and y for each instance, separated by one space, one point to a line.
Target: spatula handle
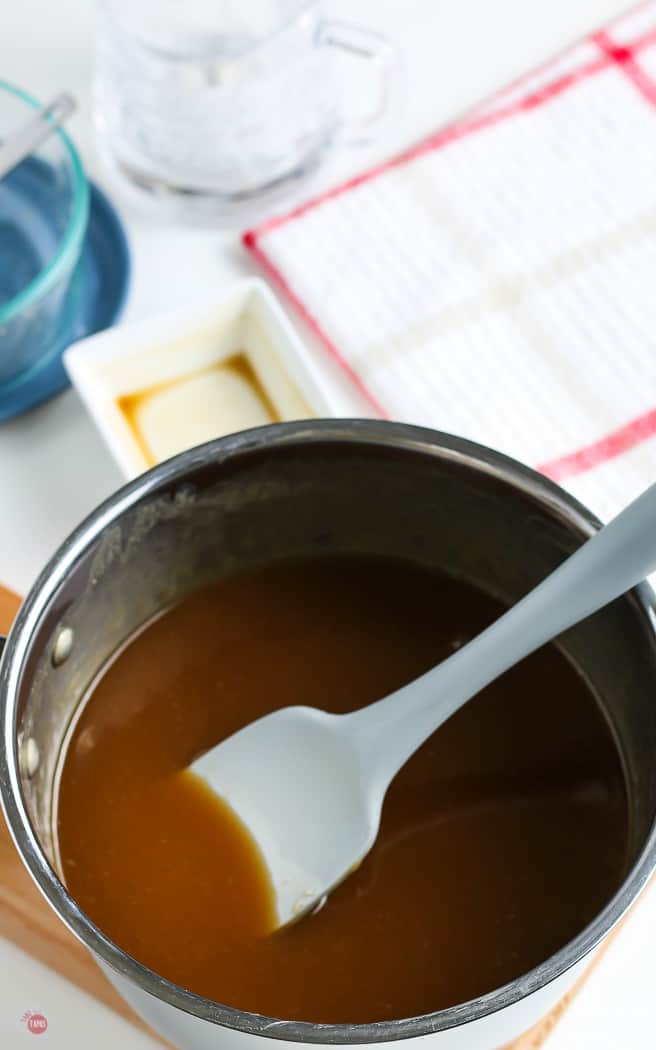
610 563
24 141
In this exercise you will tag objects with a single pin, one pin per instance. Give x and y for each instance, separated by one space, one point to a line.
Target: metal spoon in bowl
310 786
23 142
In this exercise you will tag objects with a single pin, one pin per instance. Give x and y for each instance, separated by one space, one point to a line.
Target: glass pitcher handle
386 62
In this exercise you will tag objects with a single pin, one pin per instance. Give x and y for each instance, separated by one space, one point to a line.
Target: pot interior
446 506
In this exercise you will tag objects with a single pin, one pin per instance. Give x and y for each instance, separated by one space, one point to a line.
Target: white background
54 467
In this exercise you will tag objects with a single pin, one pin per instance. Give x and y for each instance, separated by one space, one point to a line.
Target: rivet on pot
30 756
61 650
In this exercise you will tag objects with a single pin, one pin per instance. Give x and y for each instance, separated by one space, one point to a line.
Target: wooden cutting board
29 922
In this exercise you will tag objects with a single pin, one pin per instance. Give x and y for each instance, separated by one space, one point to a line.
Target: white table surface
54 467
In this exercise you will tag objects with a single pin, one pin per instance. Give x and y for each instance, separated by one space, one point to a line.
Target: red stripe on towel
624 57
614 444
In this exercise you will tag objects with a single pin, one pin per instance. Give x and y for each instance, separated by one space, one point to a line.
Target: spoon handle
610 563
24 141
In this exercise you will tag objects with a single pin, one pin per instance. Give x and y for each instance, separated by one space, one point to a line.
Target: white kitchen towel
498 280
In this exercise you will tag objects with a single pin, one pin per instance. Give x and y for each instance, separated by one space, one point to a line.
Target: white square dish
158 386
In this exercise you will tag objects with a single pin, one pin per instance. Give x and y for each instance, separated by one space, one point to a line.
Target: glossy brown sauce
500 840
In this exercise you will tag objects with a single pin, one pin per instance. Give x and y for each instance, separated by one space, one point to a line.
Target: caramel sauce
501 838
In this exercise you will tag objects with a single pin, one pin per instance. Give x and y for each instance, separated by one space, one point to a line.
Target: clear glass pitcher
215 105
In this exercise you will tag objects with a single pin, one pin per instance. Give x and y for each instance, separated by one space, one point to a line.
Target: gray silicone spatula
310 785
20 144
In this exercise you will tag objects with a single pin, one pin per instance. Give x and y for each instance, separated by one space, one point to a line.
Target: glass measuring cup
216 106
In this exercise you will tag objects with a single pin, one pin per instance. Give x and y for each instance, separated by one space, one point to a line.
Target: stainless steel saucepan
309 488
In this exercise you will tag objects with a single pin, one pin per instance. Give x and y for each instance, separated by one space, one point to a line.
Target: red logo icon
36 1022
